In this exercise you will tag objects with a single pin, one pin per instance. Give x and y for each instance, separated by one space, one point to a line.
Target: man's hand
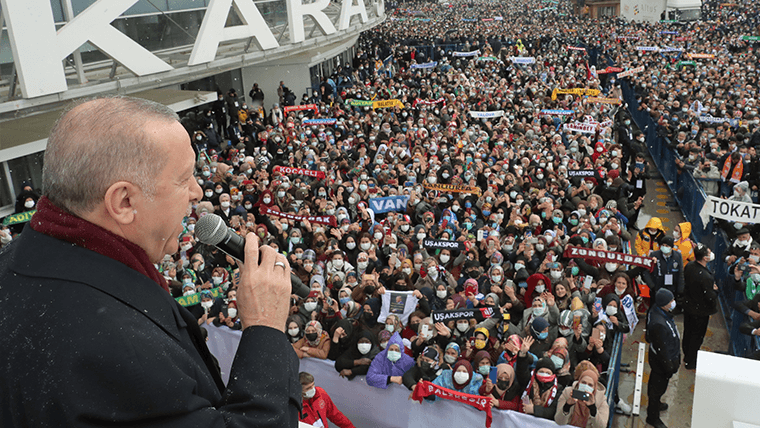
263 295
346 373
396 380
526 344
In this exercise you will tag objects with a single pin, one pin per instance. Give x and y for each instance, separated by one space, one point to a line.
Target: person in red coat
318 407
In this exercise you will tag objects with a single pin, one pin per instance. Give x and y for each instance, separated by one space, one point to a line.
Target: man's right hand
263 295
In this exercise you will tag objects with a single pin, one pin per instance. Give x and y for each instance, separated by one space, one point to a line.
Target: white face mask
421 236
29 204
364 348
496 278
611 267
337 263
461 377
390 327
540 288
267 200
556 274
450 358
362 265
350 245
445 258
610 310
463 326
310 306
378 236
207 305
441 294
225 204
293 331
404 227
620 292
585 388
365 246
407 271
433 274
310 393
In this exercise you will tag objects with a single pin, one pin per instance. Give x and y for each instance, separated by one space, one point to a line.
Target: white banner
630 72
487 114
466 54
583 128
630 312
399 303
735 211
522 59
367 406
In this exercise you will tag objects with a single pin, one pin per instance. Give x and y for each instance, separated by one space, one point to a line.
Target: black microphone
211 230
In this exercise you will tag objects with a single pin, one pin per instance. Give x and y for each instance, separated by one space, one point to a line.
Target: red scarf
425 389
53 221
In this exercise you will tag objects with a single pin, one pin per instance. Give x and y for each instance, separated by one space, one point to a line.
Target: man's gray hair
98 142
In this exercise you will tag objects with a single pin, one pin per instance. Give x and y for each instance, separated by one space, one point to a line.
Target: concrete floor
680 394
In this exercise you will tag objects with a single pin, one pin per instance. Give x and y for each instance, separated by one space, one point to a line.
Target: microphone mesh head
210 229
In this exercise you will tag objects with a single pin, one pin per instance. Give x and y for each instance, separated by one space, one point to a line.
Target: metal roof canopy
27 135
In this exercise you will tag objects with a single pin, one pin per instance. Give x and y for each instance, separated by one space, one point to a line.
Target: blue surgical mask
486 213
394 356
575 270
484 370
558 361
542 336
344 300
584 239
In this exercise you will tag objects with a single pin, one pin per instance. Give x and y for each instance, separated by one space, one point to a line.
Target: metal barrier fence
613 375
690 196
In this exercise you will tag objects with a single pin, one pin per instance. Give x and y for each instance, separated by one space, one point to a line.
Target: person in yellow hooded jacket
648 239
681 235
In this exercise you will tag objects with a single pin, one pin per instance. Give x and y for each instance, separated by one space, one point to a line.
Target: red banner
286 170
609 257
313 107
426 389
320 219
610 70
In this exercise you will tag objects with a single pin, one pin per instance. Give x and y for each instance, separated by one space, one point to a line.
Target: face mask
364 348
565 331
365 246
556 274
603 335
421 236
209 193
433 273
496 278
362 265
343 313
445 258
394 356
291 331
585 388
540 288
584 239
407 271
480 343
611 267
310 393
450 359
610 310
310 306
519 266
545 378
338 263
188 293
539 247
461 378
754 259
311 337
484 370
390 328
441 294
280 194
558 361
462 326
404 227
350 245
712 257
666 250
216 280
225 204
539 311
267 200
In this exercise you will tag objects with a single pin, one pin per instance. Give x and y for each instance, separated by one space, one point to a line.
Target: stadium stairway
659 202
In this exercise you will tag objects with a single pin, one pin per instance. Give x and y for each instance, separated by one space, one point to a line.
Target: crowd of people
483 153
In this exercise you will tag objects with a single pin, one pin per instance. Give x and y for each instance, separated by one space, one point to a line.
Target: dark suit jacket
88 341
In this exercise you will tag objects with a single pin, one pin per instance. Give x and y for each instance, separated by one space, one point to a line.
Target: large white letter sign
213 31
31 31
380 7
296 12
348 10
94 25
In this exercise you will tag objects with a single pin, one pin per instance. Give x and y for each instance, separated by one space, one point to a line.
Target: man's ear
120 202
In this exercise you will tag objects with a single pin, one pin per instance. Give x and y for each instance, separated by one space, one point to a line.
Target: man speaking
91 337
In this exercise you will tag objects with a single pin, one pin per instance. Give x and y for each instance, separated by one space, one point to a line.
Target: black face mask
474 273
502 384
338 284
311 336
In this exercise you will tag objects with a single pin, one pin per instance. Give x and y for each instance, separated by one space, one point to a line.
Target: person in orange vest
318 408
648 239
732 172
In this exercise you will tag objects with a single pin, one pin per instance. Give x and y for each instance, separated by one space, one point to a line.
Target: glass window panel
27 168
57 10
80 5
143 6
5 192
186 4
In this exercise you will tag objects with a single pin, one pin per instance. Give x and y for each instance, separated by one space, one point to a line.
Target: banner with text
742 212
388 204
443 245
608 257
323 219
287 170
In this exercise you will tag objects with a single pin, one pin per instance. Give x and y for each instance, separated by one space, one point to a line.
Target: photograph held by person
110 346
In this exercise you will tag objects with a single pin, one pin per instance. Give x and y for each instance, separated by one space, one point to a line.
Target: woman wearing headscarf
315 343
616 314
451 355
511 350
390 364
505 394
427 368
295 328
355 360
460 378
343 337
592 413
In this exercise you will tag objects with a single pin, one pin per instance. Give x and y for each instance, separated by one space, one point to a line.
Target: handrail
613 375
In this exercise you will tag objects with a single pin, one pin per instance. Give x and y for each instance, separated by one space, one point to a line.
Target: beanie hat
538 325
663 297
667 240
